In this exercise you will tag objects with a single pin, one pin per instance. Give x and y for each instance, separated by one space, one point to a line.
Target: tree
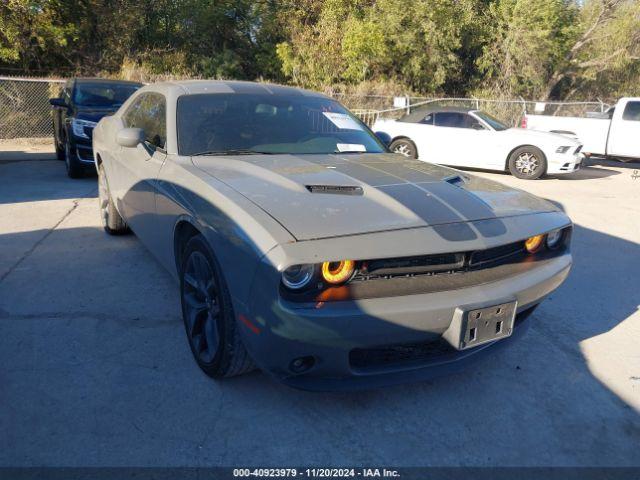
527 40
413 42
607 47
31 33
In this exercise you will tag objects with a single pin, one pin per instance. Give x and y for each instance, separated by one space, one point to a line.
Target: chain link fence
25 111
370 108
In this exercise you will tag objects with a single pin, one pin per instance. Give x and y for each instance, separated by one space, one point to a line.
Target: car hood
542 137
93 114
320 196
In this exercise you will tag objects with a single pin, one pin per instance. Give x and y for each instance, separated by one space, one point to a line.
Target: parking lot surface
95 369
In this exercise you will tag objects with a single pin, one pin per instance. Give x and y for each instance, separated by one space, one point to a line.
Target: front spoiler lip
428 371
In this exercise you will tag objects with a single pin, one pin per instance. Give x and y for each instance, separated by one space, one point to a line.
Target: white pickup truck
615 133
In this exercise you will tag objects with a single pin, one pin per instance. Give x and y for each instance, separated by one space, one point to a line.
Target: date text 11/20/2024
316 472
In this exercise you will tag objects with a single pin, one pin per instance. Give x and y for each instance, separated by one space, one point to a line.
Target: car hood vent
336 189
454 180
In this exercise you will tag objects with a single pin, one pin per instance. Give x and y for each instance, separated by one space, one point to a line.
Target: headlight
554 239
78 127
562 149
298 276
534 244
338 272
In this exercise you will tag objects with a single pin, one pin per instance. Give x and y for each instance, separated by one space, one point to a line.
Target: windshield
492 121
264 123
102 94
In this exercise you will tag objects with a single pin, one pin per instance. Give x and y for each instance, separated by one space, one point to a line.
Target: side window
149 112
131 116
632 112
451 119
428 119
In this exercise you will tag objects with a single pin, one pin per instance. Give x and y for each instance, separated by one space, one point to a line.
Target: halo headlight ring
534 244
339 272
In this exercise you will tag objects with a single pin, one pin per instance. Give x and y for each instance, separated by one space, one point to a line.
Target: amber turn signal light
534 244
338 272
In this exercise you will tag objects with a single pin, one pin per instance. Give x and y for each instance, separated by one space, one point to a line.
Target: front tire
528 163
112 222
208 315
74 169
405 147
60 153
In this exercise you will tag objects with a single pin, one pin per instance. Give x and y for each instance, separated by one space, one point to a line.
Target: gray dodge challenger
302 246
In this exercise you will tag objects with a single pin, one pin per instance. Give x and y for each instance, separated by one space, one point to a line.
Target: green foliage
534 48
529 38
31 30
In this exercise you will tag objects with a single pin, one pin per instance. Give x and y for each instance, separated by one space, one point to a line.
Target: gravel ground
95 369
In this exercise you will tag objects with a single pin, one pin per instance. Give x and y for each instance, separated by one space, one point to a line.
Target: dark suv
83 103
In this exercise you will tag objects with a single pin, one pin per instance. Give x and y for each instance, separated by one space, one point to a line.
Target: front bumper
335 334
82 149
563 163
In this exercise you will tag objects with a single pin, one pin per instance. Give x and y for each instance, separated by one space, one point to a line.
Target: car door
422 134
139 166
463 140
625 130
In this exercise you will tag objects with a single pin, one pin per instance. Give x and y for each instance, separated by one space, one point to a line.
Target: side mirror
58 102
130 137
477 126
385 138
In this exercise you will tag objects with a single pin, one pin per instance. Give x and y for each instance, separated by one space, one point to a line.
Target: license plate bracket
478 325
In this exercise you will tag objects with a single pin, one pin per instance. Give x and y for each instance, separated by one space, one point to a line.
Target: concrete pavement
95 369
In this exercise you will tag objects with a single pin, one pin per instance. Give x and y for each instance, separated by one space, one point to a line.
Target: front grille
365 358
392 267
439 263
481 257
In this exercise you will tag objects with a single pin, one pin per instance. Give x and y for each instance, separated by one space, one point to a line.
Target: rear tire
112 222
207 311
405 147
528 163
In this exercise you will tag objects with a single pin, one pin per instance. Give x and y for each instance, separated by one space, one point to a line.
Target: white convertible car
471 138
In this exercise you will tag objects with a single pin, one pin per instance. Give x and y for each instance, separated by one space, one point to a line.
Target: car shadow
32 180
604 162
25 155
586 173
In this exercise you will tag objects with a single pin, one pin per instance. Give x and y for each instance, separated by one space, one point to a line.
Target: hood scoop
336 189
454 180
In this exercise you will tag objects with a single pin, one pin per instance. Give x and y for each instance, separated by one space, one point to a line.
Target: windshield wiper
239 151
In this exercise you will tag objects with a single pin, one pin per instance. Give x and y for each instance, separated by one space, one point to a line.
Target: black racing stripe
493 227
455 232
424 205
469 205
367 175
399 170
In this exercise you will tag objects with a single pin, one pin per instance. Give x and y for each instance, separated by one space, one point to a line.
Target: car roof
421 112
84 81
194 87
